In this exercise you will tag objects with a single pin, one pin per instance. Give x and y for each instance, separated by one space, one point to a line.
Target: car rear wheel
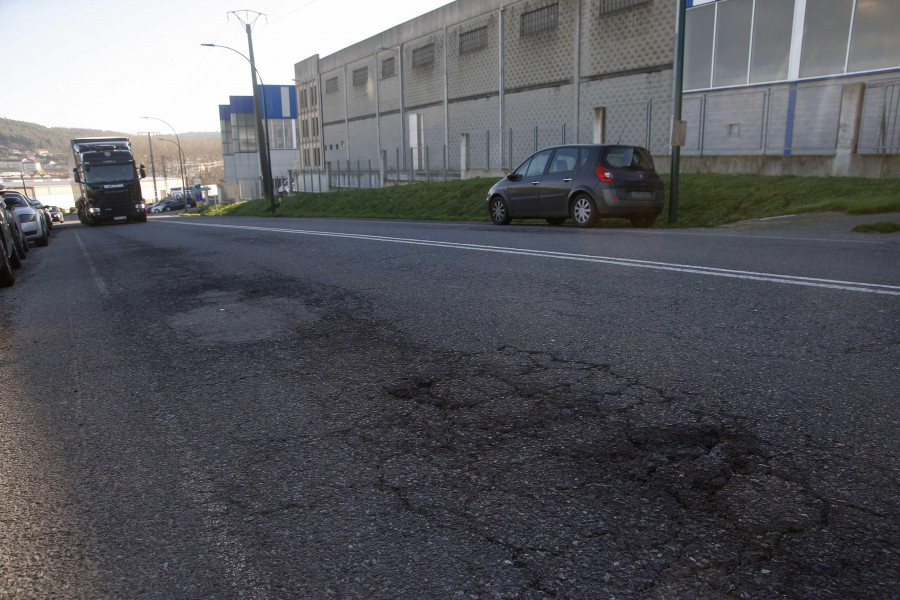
584 211
499 212
7 277
643 221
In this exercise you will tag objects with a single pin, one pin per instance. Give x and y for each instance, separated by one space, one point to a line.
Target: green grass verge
705 200
880 227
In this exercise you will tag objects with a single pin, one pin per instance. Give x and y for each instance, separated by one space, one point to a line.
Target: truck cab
107 181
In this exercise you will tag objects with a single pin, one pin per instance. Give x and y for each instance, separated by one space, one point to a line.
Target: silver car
581 182
56 215
34 223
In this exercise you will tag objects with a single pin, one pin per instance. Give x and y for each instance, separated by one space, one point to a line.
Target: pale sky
105 63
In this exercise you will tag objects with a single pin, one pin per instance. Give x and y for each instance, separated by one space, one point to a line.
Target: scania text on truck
107 184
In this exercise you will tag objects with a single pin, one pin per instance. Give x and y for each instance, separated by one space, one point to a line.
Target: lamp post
262 131
399 51
152 164
181 156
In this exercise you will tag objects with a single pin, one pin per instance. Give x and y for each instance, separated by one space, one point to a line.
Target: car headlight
95 210
27 218
139 206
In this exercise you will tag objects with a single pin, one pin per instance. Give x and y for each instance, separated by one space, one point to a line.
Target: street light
181 156
399 51
265 157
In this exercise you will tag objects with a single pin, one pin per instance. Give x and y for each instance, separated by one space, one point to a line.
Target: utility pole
262 134
152 164
678 126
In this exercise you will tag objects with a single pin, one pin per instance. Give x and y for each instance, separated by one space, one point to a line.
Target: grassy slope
705 200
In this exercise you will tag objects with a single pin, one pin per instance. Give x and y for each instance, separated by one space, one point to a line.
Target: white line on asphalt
94 274
852 286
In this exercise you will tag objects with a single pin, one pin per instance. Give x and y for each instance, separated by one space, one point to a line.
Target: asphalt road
260 408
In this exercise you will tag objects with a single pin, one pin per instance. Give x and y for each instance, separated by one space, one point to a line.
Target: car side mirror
143 172
76 176
514 177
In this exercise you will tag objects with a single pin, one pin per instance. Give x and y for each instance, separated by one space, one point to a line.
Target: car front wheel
499 212
584 211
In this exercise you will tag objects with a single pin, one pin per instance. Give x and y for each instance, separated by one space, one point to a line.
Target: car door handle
535 182
567 179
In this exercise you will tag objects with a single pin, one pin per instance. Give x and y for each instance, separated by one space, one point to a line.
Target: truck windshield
109 173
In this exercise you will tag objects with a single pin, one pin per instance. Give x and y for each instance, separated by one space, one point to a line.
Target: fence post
535 138
427 165
511 165
487 150
463 155
445 161
358 174
563 133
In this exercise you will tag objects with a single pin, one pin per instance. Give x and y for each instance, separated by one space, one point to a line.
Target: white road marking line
853 286
94 274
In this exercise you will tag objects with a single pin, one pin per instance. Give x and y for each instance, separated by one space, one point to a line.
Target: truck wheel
7 277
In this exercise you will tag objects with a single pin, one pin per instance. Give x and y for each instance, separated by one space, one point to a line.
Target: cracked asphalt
203 412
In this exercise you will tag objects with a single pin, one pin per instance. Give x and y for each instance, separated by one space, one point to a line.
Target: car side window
522 168
565 160
538 162
583 154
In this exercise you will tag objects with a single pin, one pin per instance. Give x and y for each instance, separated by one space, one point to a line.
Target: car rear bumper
621 203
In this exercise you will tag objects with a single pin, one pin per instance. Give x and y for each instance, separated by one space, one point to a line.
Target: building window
317 158
387 67
733 20
423 56
227 144
825 35
608 6
303 103
540 19
471 41
304 128
315 126
361 76
698 46
313 96
280 134
331 85
874 43
773 22
243 131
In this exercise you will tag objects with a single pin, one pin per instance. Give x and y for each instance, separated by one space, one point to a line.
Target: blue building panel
241 104
224 112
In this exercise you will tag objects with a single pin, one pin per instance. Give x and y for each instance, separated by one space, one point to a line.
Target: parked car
33 222
56 215
43 210
581 182
161 206
177 204
20 242
9 255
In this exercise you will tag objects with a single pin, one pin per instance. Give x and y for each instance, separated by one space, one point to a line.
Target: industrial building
474 87
239 141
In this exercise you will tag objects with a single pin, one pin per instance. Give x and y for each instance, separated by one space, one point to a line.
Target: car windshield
14 201
109 173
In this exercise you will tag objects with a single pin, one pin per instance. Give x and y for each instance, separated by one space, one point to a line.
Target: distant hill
200 149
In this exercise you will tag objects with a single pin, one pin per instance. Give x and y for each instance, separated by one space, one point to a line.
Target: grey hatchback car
581 182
